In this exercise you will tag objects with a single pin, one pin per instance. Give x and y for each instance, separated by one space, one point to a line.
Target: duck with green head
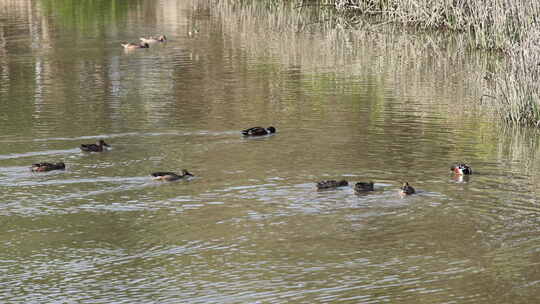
461 169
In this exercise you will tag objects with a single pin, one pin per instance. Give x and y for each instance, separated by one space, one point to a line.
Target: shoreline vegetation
508 31
508 27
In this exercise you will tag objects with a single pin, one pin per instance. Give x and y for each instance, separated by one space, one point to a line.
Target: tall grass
516 92
510 27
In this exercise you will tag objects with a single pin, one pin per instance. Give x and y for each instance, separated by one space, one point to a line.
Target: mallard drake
152 39
132 46
363 187
43 167
95 147
331 184
170 176
258 131
406 189
461 169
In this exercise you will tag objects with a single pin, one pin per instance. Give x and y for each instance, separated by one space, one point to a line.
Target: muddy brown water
250 227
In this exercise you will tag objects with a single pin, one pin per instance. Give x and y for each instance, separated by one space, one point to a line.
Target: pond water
251 227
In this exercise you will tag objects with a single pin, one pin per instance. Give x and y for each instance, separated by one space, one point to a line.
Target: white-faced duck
258 131
99 147
331 184
133 46
43 167
461 169
406 189
152 39
362 187
171 176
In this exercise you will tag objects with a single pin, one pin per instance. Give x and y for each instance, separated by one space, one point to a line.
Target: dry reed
509 27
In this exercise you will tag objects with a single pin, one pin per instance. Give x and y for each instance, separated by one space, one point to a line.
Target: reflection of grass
368 61
509 27
85 15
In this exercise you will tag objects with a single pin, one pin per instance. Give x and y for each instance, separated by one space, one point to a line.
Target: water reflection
251 227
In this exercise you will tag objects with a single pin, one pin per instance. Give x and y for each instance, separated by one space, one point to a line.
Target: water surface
250 227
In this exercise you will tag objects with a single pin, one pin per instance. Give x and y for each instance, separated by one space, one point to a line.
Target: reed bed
509 27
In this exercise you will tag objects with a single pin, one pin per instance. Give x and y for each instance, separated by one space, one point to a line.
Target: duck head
271 130
461 169
406 189
186 173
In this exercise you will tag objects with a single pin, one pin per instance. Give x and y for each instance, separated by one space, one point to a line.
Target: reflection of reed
520 146
510 89
401 61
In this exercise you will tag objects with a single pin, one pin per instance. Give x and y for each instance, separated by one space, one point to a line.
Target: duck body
99 147
170 176
152 39
133 46
44 167
258 131
361 187
406 189
331 184
461 169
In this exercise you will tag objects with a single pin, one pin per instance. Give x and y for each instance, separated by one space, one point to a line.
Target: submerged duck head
43 167
258 131
363 186
330 184
170 176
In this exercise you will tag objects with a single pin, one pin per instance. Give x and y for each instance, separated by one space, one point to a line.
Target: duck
193 32
95 147
132 46
461 169
258 131
361 187
406 189
152 39
43 167
171 176
331 184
